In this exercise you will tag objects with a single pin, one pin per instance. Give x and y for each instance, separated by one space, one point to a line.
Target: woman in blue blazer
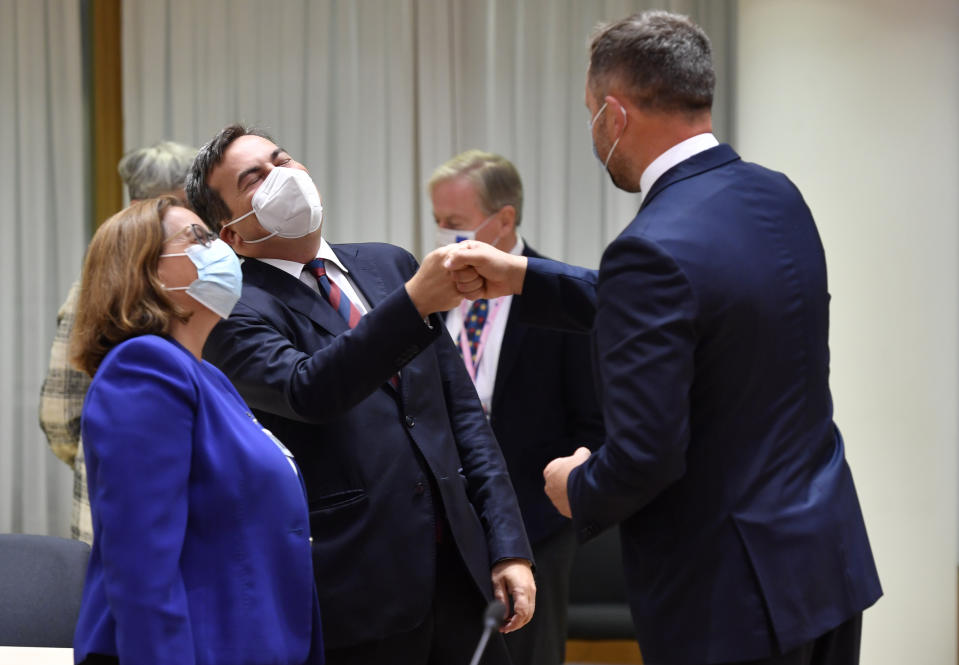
201 550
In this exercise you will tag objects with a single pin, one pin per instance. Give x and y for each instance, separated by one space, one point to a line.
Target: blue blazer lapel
368 280
295 294
695 165
363 273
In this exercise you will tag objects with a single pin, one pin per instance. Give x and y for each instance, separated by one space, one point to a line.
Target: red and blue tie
333 294
339 301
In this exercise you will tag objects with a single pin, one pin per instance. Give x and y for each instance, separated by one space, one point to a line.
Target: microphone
492 618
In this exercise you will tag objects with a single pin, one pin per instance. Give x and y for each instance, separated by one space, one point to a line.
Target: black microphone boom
494 614
492 618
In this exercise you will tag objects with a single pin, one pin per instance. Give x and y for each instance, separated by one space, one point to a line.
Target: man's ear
231 238
617 114
507 215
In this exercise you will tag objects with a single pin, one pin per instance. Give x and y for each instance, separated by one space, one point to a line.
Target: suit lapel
363 273
689 168
512 341
368 280
294 293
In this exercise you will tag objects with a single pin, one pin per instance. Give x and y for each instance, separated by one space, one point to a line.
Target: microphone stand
492 617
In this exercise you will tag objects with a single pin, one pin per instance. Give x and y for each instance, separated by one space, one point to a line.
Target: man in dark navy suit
414 522
743 539
536 385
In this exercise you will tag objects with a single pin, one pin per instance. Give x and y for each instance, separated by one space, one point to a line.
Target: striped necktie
333 294
340 302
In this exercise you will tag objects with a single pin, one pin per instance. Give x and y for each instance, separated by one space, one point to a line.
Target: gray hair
496 180
156 170
663 59
207 203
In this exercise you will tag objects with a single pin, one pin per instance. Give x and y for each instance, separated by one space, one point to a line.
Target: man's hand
500 273
556 475
432 288
514 578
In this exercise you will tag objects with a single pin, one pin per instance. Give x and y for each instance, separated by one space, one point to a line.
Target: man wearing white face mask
336 348
536 384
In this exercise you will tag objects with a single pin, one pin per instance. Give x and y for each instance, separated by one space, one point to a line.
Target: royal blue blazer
201 550
741 530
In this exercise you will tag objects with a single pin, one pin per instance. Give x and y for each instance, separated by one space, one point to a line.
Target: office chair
41 584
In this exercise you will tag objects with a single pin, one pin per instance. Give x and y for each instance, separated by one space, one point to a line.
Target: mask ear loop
248 242
616 142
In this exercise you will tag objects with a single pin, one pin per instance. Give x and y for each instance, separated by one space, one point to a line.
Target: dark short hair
664 60
206 203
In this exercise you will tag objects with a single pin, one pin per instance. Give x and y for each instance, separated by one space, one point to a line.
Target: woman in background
201 550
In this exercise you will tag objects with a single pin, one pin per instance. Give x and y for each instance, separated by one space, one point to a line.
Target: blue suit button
410 422
419 488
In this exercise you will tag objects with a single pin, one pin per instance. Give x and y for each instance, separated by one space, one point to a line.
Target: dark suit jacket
376 463
544 406
741 528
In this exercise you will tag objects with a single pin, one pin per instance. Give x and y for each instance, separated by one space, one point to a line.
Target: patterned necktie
338 301
333 294
473 324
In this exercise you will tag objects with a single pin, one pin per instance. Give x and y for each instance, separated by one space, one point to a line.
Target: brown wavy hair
121 295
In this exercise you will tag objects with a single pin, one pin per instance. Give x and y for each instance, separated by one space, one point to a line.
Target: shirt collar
295 268
678 153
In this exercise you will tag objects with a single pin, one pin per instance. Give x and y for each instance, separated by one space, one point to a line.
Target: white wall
858 102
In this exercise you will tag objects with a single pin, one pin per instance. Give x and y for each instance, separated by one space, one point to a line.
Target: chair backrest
41 584
598 609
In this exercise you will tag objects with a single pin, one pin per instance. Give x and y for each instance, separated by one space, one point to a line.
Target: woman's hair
121 295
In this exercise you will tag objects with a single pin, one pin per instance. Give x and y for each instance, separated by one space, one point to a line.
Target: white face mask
446 237
219 280
286 204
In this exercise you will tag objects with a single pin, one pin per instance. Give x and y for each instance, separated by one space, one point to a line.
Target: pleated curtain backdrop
372 95
44 226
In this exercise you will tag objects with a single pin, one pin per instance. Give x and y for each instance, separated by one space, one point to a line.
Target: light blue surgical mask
446 237
219 280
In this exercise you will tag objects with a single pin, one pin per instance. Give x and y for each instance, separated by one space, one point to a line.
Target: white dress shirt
335 270
678 153
498 313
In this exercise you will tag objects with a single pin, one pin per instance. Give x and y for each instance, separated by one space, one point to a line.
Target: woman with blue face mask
201 549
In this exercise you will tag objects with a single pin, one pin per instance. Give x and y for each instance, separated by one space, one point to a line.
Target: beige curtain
43 190
372 95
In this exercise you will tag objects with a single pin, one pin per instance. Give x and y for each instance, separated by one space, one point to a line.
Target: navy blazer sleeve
642 318
275 375
488 483
140 414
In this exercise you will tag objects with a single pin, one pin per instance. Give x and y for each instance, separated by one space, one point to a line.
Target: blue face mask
219 280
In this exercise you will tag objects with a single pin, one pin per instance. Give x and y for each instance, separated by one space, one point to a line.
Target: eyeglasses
201 235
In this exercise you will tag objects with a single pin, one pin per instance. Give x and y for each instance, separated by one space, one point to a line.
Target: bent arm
321 376
558 295
645 336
